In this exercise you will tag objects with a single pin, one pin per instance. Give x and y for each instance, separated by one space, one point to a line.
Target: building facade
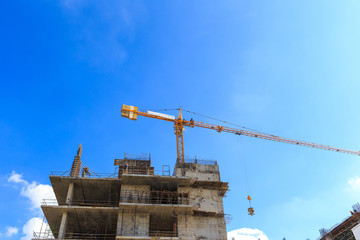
136 203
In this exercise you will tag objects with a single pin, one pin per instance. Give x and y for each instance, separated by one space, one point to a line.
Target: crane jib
274 138
132 112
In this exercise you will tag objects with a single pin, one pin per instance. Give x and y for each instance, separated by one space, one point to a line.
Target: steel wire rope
246 177
159 110
203 115
219 120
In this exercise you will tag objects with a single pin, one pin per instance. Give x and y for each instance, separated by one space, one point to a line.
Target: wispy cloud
10 231
354 183
16 178
247 234
102 35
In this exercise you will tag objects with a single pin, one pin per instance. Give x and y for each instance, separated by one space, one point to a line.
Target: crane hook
251 210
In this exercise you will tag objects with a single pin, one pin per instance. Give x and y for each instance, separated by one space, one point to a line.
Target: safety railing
136 171
88 175
203 162
161 233
49 202
85 203
44 235
78 236
154 197
87 236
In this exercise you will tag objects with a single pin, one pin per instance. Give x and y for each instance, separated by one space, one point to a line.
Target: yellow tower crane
132 112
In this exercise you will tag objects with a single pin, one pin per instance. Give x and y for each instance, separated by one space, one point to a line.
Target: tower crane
132 113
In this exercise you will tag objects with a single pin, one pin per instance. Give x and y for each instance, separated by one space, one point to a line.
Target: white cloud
16 178
354 183
31 226
247 234
34 191
10 231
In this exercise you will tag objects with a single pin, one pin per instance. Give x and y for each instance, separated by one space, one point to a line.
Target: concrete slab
154 180
89 189
77 215
156 208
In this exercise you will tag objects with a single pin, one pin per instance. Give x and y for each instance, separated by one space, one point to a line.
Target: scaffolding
135 164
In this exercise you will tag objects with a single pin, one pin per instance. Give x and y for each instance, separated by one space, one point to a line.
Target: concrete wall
197 227
202 172
133 224
204 199
356 231
190 226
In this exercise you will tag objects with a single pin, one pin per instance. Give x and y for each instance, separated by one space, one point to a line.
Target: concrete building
356 231
136 203
346 230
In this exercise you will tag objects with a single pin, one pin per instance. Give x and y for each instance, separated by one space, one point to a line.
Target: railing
45 235
85 236
154 197
160 233
136 171
92 203
49 202
90 175
143 156
203 162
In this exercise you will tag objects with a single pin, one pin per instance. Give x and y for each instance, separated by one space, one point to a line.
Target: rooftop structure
136 203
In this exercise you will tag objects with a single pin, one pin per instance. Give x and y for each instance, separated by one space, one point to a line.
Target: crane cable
203 115
219 120
251 210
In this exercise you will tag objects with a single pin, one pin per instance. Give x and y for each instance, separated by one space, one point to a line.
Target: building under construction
137 203
346 229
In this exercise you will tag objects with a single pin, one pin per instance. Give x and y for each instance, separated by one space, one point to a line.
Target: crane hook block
249 198
251 211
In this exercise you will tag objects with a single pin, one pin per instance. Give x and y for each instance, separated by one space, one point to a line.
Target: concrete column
70 194
63 225
120 221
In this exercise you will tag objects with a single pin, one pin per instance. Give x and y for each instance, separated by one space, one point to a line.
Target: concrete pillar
120 222
63 225
70 194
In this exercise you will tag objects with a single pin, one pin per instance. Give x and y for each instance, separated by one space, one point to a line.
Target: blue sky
288 68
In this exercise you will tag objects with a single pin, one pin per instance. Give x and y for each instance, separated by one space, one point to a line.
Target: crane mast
178 128
132 112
